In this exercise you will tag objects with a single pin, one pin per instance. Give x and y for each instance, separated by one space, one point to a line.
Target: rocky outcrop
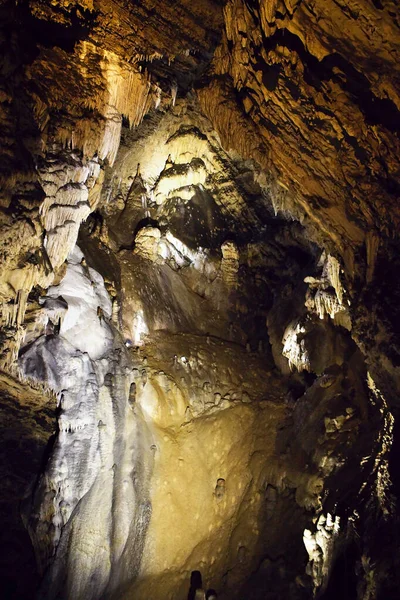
202 395
310 91
281 58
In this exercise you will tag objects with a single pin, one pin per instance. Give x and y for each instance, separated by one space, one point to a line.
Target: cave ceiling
199 330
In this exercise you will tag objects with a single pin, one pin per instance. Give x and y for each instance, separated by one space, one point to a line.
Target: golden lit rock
199 299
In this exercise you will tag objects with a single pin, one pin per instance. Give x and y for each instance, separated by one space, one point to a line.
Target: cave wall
310 91
214 369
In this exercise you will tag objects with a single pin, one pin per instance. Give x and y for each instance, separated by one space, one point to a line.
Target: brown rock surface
223 349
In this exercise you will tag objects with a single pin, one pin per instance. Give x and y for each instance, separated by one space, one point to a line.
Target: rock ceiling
199 245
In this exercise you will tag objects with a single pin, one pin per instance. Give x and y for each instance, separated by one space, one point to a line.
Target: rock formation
199 344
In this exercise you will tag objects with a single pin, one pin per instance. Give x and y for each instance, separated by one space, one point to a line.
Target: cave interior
199 291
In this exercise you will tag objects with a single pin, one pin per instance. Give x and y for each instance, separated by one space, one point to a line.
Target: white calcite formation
91 507
67 187
182 156
320 544
210 399
85 324
294 347
326 295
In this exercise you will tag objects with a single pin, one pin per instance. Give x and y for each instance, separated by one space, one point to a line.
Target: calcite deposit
199 340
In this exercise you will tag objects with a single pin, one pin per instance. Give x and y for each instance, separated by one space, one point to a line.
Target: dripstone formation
199 327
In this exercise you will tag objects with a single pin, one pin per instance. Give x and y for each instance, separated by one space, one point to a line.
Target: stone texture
221 354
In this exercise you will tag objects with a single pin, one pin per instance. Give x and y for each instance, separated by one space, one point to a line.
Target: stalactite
174 93
230 263
372 247
37 384
11 321
10 348
320 298
331 272
173 380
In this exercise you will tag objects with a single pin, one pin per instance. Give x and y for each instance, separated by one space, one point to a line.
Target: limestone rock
146 242
230 263
177 456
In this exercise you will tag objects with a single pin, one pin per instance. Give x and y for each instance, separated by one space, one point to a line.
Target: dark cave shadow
343 579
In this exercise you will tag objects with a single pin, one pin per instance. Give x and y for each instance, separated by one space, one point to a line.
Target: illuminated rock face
214 366
175 426
98 466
